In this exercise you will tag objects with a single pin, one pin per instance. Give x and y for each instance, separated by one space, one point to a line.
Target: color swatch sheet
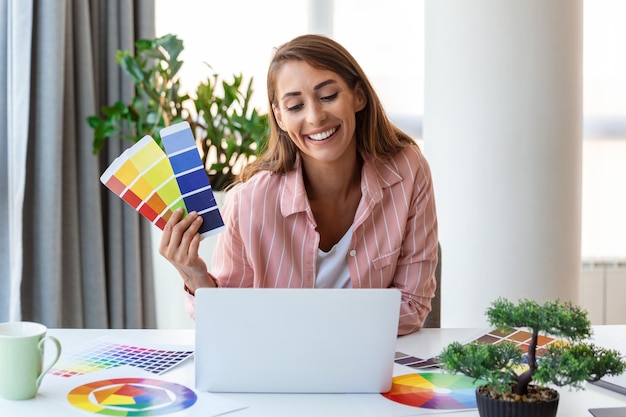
105 353
519 337
156 183
415 362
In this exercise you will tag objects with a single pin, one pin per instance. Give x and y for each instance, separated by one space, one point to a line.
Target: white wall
503 134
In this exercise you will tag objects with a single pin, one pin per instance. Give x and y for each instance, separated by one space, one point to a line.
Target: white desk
425 343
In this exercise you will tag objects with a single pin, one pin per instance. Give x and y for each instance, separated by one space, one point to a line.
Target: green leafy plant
569 361
228 130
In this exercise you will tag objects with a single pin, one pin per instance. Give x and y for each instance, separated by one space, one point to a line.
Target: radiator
604 290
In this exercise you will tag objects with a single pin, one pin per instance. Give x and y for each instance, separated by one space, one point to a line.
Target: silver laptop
295 340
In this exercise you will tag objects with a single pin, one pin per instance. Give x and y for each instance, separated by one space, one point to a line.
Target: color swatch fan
156 184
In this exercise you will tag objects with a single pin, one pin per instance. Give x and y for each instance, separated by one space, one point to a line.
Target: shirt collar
374 177
293 198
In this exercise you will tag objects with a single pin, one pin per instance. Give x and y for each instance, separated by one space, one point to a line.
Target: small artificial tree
506 369
228 130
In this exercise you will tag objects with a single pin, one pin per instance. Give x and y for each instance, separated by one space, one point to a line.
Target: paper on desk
608 412
109 352
449 395
126 390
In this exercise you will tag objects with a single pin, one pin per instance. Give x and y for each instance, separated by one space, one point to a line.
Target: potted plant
228 131
516 383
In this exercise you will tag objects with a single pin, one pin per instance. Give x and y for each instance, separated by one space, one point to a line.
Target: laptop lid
295 340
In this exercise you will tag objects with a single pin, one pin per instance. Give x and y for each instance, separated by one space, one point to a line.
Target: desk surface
425 343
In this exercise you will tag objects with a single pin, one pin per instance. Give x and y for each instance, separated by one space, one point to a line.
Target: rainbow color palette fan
434 391
155 183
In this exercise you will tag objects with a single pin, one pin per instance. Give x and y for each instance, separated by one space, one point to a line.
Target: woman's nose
315 114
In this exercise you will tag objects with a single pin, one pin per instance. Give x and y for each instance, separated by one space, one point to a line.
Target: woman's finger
189 234
168 230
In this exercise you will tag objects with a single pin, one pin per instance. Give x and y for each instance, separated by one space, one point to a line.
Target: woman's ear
360 97
278 117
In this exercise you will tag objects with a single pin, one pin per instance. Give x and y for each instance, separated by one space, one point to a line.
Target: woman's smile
318 137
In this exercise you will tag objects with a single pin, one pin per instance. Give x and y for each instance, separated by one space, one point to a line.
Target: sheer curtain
71 253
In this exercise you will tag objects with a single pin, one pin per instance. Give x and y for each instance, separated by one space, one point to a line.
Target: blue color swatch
190 173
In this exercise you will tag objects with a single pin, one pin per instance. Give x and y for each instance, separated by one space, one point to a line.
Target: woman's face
318 110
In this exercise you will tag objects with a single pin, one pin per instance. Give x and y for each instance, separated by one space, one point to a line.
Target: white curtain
14 104
71 254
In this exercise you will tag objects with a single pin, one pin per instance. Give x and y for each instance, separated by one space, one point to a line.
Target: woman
341 197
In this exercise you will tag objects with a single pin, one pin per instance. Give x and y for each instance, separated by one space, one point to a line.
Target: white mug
22 358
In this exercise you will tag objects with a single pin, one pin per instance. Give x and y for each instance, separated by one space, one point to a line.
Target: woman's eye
329 98
294 108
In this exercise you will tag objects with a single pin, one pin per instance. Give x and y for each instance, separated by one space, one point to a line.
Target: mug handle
40 345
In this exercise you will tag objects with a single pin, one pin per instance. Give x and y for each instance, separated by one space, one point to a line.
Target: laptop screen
295 340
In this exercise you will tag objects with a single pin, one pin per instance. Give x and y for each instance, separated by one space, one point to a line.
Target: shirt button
352 252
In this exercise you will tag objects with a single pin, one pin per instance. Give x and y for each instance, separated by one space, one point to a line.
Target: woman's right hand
179 245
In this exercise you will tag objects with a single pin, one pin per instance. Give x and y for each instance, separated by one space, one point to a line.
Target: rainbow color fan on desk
155 183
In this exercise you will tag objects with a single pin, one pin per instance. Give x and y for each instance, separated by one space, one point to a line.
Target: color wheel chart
434 391
103 354
132 397
156 184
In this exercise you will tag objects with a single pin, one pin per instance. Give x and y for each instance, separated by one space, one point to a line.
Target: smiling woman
341 196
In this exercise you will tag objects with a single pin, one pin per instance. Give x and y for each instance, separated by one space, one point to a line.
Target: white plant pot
168 285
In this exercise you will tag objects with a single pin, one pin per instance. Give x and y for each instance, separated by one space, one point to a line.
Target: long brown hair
376 136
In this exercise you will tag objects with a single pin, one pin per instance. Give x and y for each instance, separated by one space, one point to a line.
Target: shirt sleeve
190 305
415 271
229 264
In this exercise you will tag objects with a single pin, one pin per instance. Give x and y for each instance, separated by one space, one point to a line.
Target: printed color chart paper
130 391
132 397
422 393
415 362
105 353
434 391
516 336
156 184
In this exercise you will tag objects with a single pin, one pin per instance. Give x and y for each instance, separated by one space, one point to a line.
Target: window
387 38
232 36
604 148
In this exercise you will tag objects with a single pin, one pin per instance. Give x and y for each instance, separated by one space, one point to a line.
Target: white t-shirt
332 268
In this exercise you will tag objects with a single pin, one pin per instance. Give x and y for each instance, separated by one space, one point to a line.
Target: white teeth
323 135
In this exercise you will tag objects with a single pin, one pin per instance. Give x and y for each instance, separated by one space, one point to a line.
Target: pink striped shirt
271 240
